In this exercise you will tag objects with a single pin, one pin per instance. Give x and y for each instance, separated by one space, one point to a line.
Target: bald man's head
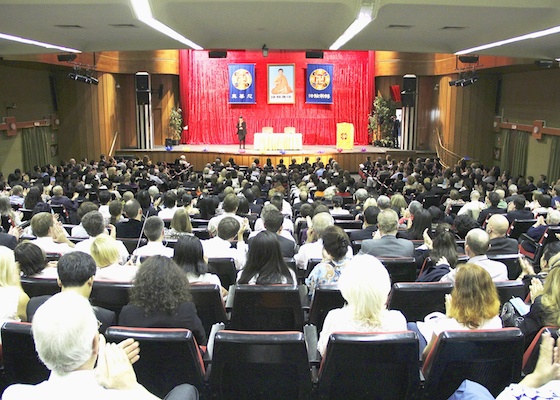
477 241
497 226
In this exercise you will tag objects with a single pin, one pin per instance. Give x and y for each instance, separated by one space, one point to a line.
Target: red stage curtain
211 120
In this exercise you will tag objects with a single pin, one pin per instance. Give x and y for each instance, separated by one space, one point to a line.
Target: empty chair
266 308
531 355
509 289
401 269
416 300
209 305
519 226
133 244
512 263
169 357
225 269
111 295
39 286
260 365
21 362
326 298
490 357
370 366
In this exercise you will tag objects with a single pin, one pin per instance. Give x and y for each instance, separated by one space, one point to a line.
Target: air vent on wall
123 25
453 28
69 26
396 26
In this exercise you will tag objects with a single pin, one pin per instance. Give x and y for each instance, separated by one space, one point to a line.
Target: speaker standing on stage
241 131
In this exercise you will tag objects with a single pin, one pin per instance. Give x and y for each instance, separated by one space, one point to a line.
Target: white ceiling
400 25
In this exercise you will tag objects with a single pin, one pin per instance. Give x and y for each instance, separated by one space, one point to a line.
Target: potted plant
176 125
380 123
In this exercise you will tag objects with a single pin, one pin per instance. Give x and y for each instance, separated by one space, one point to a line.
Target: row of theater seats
280 365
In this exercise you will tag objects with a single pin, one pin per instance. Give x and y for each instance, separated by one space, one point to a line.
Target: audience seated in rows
385 243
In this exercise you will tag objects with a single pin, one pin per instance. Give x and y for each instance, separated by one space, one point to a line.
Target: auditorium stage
200 155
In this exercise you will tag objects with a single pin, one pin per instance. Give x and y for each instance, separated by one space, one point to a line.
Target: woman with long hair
32 261
107 257
13 300
365 285
180 225
422 220
442 253
189 256
160 298
265 265
335 248
473 304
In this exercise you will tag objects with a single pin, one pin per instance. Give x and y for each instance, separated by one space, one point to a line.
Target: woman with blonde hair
180 225
472 304
13 300
398 203
105 253
365 285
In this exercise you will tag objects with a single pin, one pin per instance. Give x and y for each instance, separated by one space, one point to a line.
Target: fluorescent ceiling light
533 35
362 20
36 43
143 12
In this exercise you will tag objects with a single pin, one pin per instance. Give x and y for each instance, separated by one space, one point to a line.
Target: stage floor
199 155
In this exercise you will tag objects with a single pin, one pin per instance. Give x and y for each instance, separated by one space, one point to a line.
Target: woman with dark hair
422 221
160 298
265 265
335 248
33 197
442 251
145 201
189 256
207 207
32 261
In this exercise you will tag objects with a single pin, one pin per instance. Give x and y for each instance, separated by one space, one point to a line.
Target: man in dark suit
131 227
273 221
370 225
10 239
76 271
497 227
493 199
385 243
519 211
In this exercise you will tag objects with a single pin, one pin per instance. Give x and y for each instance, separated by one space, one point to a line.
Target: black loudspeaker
468 59
408 99
168 142
313 54
409 83
217 54
66 57
142 83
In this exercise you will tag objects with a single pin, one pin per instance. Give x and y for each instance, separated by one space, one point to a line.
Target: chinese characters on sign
319 84
242 83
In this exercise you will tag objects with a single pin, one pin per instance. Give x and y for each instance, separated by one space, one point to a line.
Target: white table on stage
278 141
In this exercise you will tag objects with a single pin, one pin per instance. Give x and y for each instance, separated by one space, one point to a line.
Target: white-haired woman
365 285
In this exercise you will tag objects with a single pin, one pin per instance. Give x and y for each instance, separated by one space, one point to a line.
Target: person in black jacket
241 131
160 298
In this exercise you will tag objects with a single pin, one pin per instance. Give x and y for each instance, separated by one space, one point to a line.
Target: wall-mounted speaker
143 87
313 54
217 54
409 83
544 63
408 99
66 57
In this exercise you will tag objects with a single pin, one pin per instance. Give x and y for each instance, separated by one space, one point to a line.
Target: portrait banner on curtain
281 83
242 84
319 84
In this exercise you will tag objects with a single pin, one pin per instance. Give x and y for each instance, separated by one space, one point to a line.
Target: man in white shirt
474 206
230 205
94 224
169 205
104 199
153 229
477 244
50 234
220 246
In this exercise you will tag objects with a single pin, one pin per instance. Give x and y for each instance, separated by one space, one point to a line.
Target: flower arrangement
176 123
